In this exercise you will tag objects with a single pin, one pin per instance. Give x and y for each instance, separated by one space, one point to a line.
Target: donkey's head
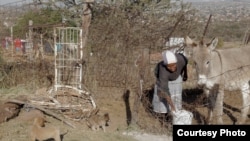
201 55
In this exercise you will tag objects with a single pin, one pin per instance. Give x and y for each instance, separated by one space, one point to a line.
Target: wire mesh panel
68 57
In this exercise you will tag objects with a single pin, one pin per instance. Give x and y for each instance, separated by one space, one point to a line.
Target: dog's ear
45 120
106 117
106 114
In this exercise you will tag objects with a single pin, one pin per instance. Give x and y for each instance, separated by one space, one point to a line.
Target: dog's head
107 119
39 121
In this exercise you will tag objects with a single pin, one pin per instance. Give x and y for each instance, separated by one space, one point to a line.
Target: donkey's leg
219 105
215 96
210 106
245 102
210 115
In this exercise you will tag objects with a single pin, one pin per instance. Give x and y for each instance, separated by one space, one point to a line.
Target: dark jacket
163 76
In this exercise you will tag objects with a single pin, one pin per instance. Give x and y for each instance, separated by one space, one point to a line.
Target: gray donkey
219 70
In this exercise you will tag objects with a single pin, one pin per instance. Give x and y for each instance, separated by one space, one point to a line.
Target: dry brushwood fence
122 49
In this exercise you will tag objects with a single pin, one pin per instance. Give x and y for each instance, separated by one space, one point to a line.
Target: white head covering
168 57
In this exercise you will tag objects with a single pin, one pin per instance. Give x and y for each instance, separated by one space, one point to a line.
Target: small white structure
175 44
175 41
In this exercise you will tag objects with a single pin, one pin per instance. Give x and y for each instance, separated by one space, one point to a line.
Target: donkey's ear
212 45
190 42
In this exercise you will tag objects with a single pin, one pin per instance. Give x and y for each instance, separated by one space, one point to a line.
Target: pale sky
2 2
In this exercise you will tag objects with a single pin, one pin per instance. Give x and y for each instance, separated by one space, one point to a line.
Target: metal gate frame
68 55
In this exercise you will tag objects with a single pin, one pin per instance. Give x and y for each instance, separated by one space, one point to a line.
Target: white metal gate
68 57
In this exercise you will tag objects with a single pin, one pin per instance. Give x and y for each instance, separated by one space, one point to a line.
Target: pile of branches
65 103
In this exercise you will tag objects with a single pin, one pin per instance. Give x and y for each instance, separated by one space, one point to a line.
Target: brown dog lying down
98 121
40 132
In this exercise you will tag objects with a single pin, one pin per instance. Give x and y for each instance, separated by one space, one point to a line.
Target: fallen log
42 109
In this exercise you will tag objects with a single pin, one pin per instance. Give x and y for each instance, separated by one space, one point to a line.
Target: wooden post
142 64
86 20
206 27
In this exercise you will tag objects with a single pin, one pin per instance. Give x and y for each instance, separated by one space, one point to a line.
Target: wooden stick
206 27
173 29
42 109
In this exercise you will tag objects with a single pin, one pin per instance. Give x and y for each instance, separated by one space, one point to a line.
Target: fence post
142 64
